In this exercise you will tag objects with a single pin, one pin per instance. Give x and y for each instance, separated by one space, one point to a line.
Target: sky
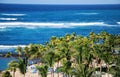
61 1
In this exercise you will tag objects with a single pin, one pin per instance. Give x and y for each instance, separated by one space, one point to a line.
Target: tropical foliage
13 65
75 55
20 64
6 74
43 69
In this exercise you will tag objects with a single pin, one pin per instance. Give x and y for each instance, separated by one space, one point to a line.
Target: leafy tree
8 54
13 65
43 69
22 65
6 74
75 54
49 58
83 58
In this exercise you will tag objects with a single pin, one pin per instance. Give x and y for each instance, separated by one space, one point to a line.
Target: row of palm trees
75 55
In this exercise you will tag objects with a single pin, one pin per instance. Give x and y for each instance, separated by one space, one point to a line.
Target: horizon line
55 4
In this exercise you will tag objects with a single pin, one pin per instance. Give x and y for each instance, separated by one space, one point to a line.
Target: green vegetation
75 55
43 69
20 64
13 66
6 74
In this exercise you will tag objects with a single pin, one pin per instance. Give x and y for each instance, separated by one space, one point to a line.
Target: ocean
21 25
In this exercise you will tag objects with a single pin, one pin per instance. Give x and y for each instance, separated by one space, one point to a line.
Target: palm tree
19 50
58 57
117 70
22 65
38 53
8 54
107 48
43 69
65 68
117 56
6 74
49 58
13 65
75 53
83 57
50 53
64 53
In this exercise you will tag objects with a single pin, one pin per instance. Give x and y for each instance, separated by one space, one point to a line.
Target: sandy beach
30 73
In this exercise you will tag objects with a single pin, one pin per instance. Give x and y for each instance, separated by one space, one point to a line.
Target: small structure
32 69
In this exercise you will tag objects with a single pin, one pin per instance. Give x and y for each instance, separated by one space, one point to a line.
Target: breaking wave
5 14
51 25
87 13
118 23
8 19
11 46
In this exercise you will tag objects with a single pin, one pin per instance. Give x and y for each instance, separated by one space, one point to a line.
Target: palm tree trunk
100 70
24 75
38 74
13 73
108 71
53 71
63 74
57 67
68 75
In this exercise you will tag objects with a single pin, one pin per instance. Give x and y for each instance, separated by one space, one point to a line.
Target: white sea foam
3 29
88 24
11 46
8 18
5 14
118 23
31 25
51 25
87 13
